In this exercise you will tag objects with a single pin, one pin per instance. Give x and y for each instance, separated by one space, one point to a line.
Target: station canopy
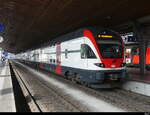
29 23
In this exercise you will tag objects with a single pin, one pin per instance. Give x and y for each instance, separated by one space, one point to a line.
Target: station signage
130 39
2 28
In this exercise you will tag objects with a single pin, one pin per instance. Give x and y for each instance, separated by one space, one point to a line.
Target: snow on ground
94 104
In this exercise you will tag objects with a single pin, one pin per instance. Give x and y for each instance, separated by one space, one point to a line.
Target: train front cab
109 49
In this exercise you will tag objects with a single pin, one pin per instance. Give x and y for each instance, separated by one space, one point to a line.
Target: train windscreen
109 43
110 48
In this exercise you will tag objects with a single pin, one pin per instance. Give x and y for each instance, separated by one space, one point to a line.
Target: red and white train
90 56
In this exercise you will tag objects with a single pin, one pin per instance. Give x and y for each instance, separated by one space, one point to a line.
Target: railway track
42 102
65 102
31 103
125 100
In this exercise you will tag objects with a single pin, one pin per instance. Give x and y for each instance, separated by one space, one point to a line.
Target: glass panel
135 51
87 52
110 50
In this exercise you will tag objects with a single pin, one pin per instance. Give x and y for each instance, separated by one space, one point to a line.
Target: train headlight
123 65
100 65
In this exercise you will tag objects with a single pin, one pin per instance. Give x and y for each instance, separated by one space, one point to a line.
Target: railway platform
7 100
138 83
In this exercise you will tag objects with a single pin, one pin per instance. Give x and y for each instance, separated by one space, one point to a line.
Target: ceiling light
1 39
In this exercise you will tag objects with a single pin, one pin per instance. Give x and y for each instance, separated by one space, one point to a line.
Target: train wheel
85 84
77 78
81 82
67 75
88 85
73 80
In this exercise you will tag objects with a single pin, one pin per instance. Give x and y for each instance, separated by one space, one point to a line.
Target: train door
84 56
58 58
76 57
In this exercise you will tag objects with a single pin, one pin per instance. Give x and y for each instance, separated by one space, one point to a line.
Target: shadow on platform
134 75
6 91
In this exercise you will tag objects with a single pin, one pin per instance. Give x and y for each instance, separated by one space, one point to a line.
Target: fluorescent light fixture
1 39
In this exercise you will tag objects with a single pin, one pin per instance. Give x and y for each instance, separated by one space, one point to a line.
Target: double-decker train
90 56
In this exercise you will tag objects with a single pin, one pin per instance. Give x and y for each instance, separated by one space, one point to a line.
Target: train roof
76 34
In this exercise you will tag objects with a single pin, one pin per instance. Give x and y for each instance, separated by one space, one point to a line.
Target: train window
83 51
50 60
66 53
87 52
54 61
111 50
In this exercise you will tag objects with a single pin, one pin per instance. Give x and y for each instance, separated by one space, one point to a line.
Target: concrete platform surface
138 83
134 75
7 100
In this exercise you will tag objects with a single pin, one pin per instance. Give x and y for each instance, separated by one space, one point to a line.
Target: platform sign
5 53
2 28
130 39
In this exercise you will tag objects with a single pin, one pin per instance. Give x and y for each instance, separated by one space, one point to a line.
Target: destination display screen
105 36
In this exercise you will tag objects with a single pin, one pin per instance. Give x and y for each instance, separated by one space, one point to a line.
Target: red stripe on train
58 58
